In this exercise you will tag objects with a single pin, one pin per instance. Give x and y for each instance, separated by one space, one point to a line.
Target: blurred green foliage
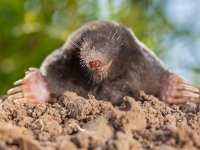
30 29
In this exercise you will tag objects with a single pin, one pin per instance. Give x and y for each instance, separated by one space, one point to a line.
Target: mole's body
106 60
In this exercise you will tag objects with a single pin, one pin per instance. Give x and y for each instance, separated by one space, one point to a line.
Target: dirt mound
77 123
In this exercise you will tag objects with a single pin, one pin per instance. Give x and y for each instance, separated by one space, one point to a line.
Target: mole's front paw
175 90
32 88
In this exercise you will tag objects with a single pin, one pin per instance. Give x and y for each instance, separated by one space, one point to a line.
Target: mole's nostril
95 64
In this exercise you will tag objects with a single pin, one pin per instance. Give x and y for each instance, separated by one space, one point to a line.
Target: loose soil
73 122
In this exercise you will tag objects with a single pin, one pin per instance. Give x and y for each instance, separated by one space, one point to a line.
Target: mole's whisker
78 46
118 38
116 31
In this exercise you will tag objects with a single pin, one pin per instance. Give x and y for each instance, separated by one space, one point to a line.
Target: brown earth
77 123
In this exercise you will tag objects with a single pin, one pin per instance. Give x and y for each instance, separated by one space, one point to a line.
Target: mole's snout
95 64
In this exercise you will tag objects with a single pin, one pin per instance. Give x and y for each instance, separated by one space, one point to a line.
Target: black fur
133 66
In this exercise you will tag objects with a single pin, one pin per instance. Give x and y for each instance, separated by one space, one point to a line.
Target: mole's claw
188 88
174 90
31 69
14 90
16 96
18 82
190 94
33 88
20 100
185 82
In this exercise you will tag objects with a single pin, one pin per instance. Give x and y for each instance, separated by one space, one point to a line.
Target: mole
104 59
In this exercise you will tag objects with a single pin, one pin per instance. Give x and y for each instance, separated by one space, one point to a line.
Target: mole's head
97 59
102 50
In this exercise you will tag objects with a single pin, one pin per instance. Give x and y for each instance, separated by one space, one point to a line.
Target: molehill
73 122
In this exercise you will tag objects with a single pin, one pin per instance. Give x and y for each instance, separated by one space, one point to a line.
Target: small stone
189 108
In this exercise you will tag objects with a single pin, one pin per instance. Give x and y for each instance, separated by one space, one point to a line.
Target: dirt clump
73 122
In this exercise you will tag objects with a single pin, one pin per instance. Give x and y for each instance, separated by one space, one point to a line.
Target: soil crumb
74 122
